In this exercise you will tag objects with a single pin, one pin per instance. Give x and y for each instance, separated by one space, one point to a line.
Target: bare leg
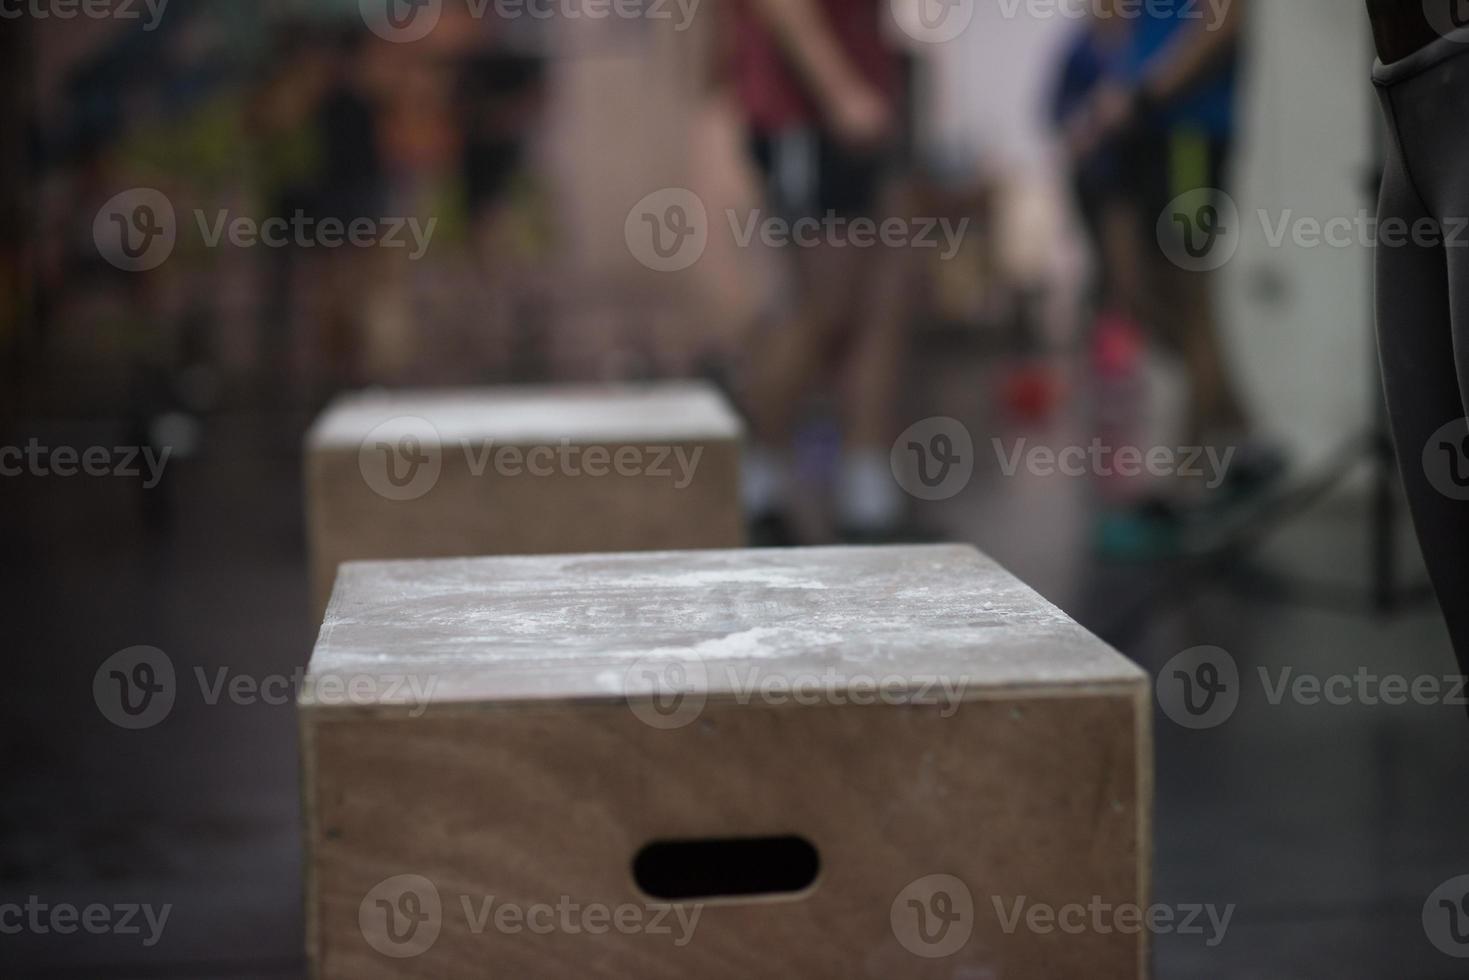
1123 265
792 358
885 279
1186 318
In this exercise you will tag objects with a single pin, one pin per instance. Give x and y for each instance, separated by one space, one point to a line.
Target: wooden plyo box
847 762
520 470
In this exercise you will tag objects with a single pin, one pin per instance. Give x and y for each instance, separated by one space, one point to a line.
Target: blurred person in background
352 186
281 122
820 89
1096 56
315 124
502 98
1147 107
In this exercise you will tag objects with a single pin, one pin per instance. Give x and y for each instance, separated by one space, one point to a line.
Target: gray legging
1423 305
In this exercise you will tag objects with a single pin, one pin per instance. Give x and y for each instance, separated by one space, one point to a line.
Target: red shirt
771 89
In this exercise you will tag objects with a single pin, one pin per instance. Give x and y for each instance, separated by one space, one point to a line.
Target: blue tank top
1209 105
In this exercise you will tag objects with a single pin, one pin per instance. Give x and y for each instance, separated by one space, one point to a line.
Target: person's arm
1192 56
856 110
1168 76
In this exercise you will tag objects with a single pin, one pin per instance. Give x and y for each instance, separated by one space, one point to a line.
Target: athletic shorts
809 174
1160 165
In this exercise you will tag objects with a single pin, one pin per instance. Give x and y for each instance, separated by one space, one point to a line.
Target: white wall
1306 360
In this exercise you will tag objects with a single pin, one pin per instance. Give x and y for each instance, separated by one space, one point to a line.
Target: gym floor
1327 827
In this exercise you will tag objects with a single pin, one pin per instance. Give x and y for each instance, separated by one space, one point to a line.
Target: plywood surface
521 471
535 773
667 411
494 629
1037 800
